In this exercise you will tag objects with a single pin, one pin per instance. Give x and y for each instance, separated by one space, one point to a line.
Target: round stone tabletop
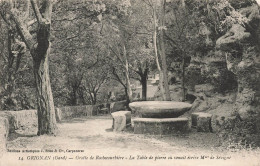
159 109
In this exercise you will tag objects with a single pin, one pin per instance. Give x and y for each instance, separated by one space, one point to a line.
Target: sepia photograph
129 82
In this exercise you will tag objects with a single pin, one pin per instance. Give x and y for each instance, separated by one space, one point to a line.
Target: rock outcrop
242 47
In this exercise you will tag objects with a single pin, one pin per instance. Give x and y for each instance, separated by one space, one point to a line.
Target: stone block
4 131
161 126
23 118
194 117
12 120
204 122
121 120
58 115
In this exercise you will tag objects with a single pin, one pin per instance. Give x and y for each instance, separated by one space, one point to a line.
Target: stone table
159 109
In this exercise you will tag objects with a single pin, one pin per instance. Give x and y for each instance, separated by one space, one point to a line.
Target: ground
95 137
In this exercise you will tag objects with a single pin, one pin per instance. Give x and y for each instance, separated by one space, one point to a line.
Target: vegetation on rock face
94 48
244 63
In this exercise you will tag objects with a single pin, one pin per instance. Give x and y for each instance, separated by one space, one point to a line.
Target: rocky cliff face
241 47
230 64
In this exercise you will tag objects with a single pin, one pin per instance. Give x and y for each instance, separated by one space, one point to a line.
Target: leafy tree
141 55
181 35
92 83
158 15
76 47
35 28
16 79
116 35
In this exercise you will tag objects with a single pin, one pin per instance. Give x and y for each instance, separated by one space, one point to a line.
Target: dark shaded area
15 135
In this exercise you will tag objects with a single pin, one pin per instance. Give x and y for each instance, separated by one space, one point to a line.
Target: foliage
236 132
194 77
88 27
16 77
98 47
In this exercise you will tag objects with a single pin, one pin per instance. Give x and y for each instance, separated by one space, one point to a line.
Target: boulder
11 121
4 127
202 92
202 88
23 118
200 105
175 92
121 120
4 131
216 123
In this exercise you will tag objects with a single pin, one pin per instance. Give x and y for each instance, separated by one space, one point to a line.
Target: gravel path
94 137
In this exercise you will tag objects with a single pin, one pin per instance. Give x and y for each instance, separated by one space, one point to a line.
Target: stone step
201 121
161 126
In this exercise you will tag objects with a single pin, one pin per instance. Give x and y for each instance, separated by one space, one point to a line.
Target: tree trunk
156 55
128 85
129 90
45 105
40 54
143 80
46 111
10 77
183 62
94 98
144 87
183 79
127 99
163 56
161 85
74 96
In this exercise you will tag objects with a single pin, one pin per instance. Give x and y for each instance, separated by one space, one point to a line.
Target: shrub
239 134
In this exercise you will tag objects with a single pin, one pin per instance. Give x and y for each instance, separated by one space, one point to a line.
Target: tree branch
4 18
27 9
23 31
258 2
36 11
117 77
118 56
29 23
48 10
